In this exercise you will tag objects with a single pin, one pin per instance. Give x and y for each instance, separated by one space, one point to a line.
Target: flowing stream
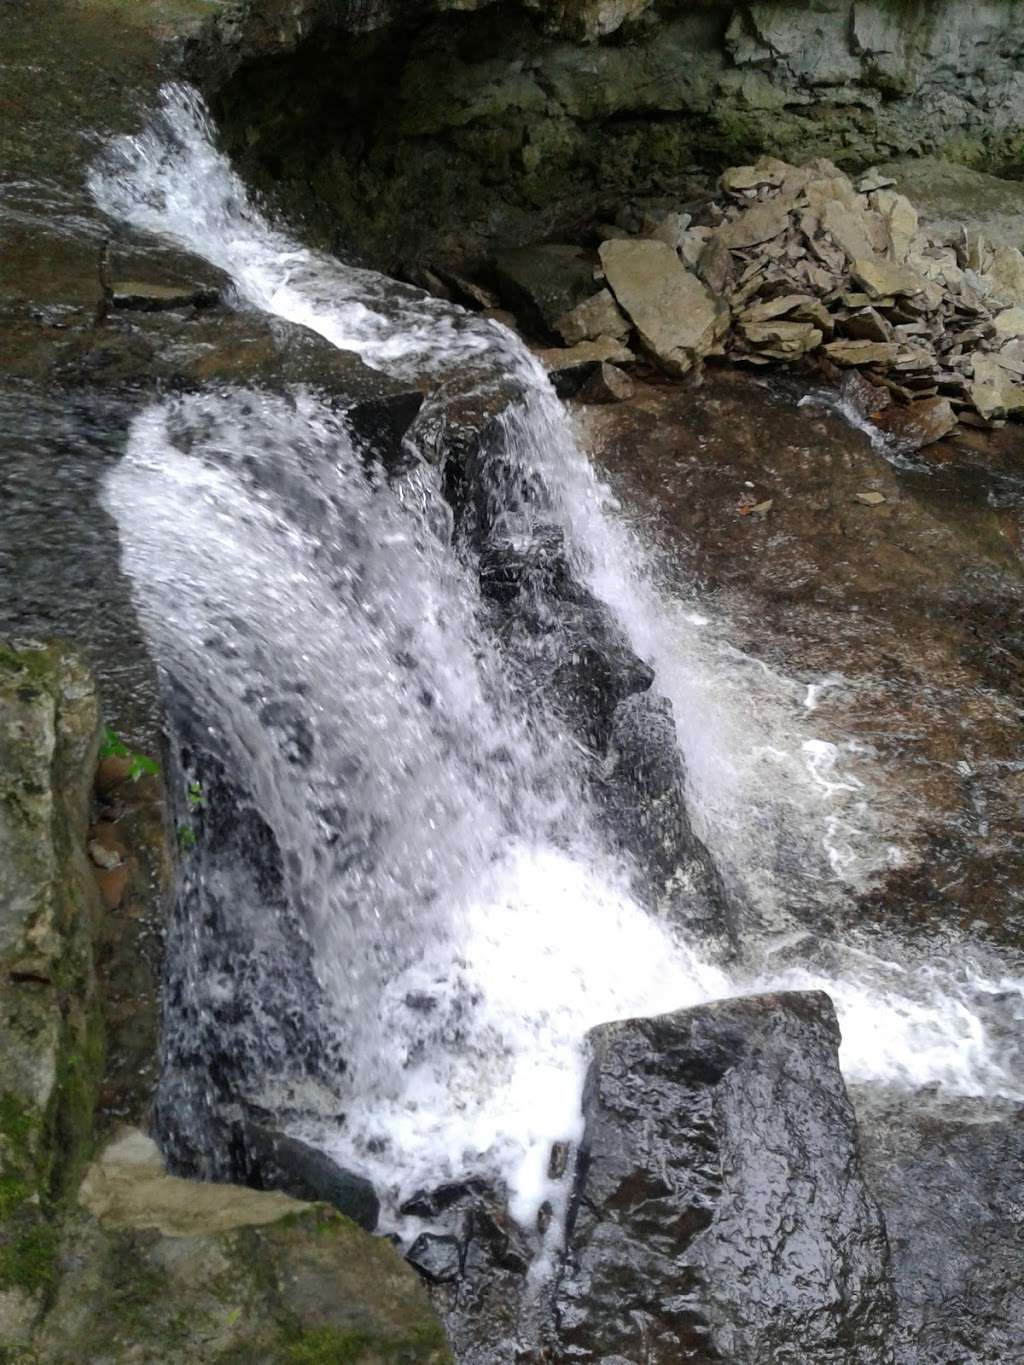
439 858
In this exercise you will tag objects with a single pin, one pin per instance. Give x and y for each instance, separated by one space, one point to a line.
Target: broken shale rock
677 318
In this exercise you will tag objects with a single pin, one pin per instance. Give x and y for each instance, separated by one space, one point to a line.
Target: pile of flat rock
785 262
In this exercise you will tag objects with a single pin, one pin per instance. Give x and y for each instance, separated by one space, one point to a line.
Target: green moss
328 1346
14 1190
79 1076
18 1125
349 1346
28 1260
33 663
136 1292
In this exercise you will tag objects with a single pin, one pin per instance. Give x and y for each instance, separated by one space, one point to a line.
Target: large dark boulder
720 1214
952 1195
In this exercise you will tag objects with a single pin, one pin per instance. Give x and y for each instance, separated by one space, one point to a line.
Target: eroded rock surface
949 1186
158 1268
51 1034
720 1209
472 124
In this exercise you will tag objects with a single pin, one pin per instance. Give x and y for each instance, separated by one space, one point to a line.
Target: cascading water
441 912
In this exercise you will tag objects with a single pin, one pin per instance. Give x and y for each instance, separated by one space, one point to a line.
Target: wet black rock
720 1213
537 563
438 1259
432 1203
541 283
952 1194
275 1161
593 665
645 801
379 426
475 1259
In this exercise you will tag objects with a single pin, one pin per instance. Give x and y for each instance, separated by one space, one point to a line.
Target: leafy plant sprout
139 765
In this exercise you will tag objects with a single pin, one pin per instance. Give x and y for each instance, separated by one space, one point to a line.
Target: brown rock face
917 601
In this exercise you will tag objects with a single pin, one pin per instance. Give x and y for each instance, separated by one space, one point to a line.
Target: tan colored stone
879 278
739 178
757 224
677 318
901 220
867 325
1009 323
608 384
128 1187
874 179
602 348
774 308
911 426
993 391
831 189
715 265
861 352
694 241
670 228
782 340
848 230
599 316
1005 276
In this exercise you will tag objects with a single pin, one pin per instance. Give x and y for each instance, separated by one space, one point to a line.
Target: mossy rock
51 1037
158 1269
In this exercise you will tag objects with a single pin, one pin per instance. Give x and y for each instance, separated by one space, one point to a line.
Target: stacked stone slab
788 262
816 262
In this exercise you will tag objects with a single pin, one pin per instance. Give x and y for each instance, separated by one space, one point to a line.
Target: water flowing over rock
720 1211
464 755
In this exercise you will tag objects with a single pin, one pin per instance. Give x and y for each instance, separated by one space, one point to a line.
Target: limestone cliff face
449 126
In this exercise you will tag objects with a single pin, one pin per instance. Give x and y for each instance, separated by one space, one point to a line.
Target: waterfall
403 911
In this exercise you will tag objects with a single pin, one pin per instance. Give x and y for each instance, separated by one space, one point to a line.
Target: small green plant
194 796
139 765
186 837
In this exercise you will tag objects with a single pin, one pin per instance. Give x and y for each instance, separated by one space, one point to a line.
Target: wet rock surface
949 1187
160 1268
929 676
720 1212
648 817
277 1161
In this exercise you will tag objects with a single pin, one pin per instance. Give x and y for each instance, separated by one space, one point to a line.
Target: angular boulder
678 319
911 426
540 284
176 1271
277 1161
720 1213
598 316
